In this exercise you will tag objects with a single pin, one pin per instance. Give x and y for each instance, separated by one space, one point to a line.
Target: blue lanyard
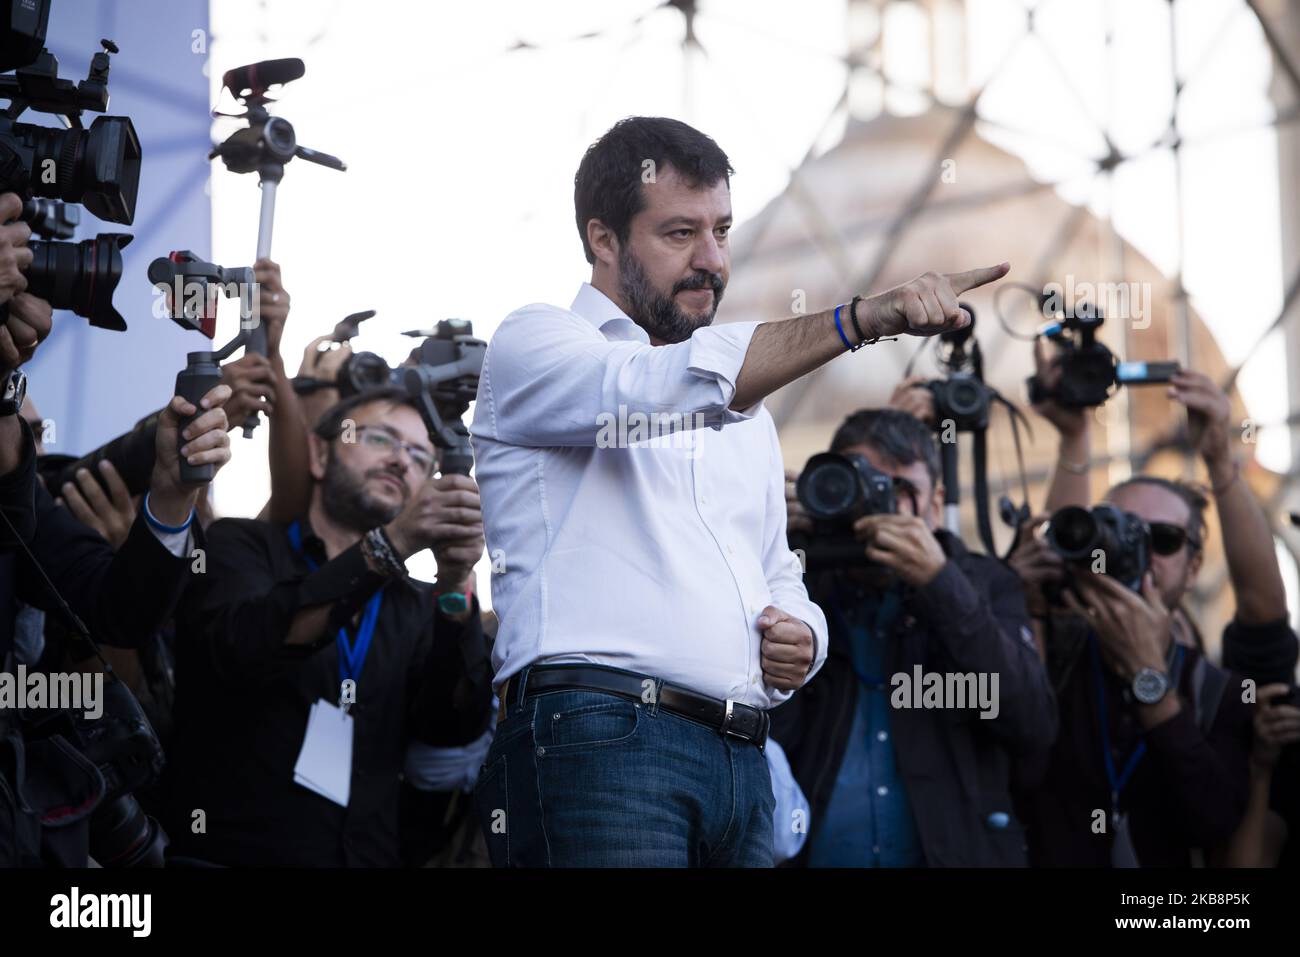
885 614
352 658
1117 782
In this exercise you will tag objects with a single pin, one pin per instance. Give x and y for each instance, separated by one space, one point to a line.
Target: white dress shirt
656 555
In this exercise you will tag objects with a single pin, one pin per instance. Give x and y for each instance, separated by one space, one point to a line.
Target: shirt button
882 790
875 849
882 735
730 550
703 500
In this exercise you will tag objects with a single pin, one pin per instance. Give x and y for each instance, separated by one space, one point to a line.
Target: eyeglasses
1169 539
381 441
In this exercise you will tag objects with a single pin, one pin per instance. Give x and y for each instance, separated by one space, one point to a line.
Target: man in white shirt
633 497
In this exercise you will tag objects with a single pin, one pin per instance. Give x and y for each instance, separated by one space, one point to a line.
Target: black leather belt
730 718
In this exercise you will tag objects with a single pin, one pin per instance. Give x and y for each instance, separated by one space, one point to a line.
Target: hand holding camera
1040 568
107 508
1277 724
914 396
273 303
444 515
903 544
1208 413
202 442
15 257
28 323
252 384
1132 628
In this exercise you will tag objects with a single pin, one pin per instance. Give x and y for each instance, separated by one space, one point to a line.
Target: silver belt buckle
726 723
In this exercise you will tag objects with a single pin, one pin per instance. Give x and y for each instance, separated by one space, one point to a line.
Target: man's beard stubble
658 315
346 501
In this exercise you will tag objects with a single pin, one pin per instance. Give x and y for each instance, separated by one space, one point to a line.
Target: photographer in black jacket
280 628
893 776
1152 765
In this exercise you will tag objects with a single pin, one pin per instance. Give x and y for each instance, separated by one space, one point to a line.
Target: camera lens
1073 532
122 835
829 486
80 276
965 397
98 168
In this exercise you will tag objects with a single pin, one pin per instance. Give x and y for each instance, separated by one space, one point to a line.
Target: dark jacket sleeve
451 704
123 597
1207 775
238 612
1265 653
18 494
985 628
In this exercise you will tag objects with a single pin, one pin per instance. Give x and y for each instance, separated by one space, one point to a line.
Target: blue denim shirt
868 821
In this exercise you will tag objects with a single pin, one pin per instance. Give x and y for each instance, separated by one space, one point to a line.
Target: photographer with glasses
310 661
1150 768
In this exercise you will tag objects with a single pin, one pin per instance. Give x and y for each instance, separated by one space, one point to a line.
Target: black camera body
836 490
1119 540
122 744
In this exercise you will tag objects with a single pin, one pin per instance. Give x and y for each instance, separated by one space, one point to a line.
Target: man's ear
603 243
1194 566
319 454
936 506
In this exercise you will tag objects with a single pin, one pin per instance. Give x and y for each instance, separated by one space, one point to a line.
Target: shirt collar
601 311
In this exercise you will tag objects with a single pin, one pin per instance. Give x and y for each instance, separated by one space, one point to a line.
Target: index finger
971 278
117 490
11 207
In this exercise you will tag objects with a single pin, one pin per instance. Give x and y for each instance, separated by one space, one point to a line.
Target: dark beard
346 501
659 315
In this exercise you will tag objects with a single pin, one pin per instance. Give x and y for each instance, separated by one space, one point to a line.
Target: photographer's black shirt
1186 793
243 699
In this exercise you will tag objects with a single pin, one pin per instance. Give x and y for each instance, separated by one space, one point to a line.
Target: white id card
325 761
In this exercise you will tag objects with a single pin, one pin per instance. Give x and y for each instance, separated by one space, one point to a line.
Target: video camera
98 168
1104 539
1089 370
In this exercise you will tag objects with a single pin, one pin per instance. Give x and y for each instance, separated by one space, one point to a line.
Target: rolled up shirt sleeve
551 379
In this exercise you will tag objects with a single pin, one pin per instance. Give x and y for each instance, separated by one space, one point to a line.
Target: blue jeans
588 779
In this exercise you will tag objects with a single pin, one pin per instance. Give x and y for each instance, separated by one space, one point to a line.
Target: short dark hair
899 435
608 183
332 419
1195 498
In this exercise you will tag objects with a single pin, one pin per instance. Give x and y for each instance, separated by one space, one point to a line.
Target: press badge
325 761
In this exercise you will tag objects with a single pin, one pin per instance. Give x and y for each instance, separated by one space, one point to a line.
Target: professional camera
122 745
1089 370
1121 540
441 376
836 490
97 167
961 399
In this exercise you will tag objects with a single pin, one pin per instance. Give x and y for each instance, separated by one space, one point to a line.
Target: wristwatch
1149 685
454 602
15 388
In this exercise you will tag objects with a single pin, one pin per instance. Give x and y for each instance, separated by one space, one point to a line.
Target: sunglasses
1169 539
